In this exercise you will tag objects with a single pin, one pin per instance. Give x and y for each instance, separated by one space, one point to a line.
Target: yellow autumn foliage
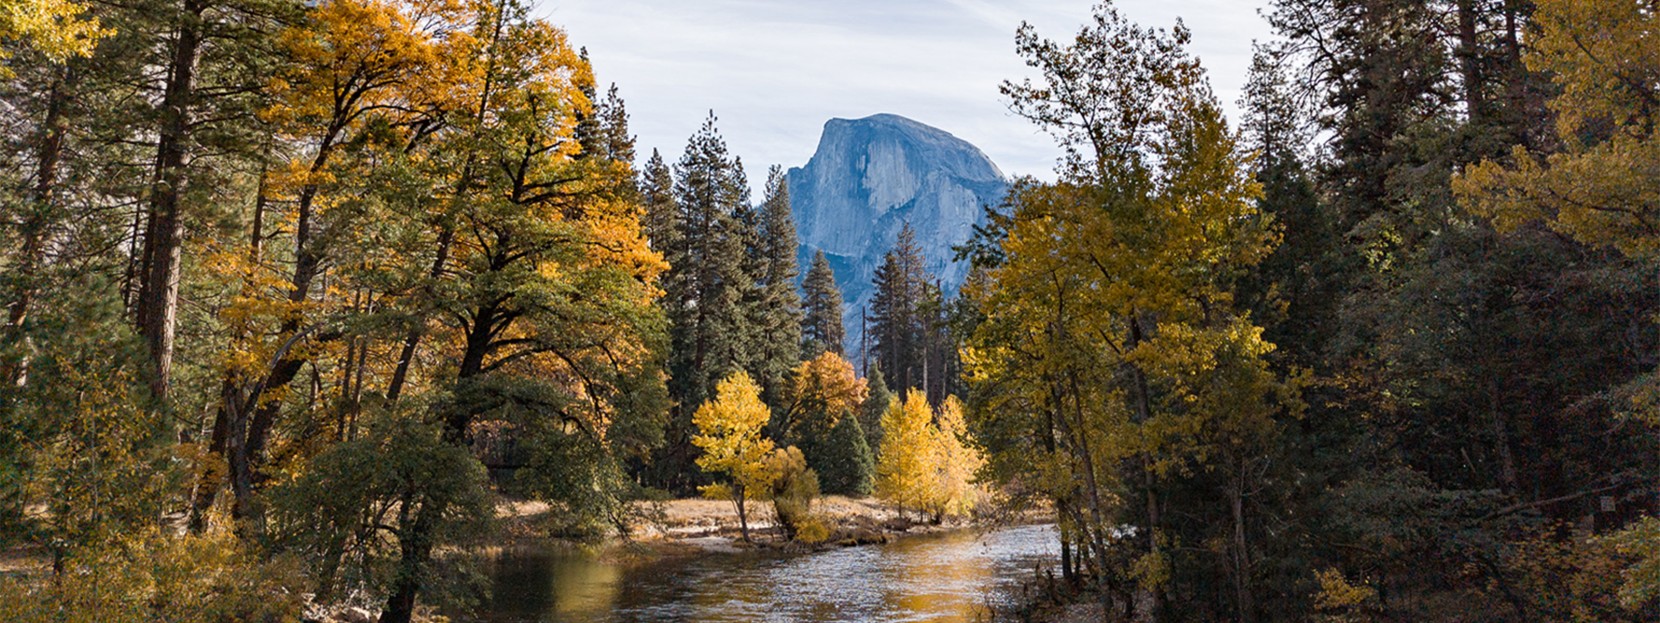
60 29
1603 185
925 463
729 434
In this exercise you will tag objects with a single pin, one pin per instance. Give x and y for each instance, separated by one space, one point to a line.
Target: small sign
1608 504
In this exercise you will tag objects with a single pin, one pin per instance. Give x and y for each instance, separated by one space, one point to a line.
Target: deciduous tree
729 435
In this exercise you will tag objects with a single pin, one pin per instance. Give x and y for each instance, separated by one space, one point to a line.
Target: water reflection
940 578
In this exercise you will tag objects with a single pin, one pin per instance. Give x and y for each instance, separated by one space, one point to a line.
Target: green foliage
775 308
703 291
82 439
821 329
847 466
151 577
352 508
905 328
877 401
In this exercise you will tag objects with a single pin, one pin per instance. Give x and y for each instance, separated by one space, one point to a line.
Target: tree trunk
1501 439
32 255
1241 555
415 547
1469 58
406 355
1141 395
743 517
164 236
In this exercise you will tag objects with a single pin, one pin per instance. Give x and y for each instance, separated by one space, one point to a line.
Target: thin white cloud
775 70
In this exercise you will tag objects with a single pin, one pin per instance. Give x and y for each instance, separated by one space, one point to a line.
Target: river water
942 578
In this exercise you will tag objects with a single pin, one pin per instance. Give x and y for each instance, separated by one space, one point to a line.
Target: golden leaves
729 433
925 462
826 384
1603 186
59 29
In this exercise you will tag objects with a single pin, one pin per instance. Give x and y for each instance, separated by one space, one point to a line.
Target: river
941 578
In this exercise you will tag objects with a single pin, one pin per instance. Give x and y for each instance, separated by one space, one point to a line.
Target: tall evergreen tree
705 289
846 465
775 314
661 221
822 329
896 316
617 143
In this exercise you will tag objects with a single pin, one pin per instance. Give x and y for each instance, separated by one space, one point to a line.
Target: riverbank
695 525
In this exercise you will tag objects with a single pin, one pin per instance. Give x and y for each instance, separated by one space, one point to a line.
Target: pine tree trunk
164 236
1241 555
1469 57
32 255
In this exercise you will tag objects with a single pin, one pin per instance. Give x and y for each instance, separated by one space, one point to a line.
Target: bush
189 579
793 491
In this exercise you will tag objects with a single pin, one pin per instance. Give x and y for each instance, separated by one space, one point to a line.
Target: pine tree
617 144
847 465
822 328
661 221
875 404
896 315
705 288
775 315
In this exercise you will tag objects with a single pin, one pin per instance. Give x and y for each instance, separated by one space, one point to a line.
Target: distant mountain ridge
868 178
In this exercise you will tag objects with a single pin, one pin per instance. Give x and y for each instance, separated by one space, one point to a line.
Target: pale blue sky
774 70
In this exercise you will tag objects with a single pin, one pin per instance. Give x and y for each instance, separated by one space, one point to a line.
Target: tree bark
1241 557
1469 57
37 220
164 235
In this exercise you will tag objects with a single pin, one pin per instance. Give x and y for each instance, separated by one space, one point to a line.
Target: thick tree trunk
164 236
415 548
1469 59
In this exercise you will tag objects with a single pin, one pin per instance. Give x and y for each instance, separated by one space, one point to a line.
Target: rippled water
944 578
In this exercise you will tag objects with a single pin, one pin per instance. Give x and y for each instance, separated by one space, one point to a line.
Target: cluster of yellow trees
926 463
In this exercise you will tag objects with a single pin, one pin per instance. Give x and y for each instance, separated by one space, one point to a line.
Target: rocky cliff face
868 178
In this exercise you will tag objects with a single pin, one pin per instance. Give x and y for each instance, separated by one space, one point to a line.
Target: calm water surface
944 578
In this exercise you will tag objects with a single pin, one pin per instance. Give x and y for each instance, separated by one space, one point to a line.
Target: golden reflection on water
938 578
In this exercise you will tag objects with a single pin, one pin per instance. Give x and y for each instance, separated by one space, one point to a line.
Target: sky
773 71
